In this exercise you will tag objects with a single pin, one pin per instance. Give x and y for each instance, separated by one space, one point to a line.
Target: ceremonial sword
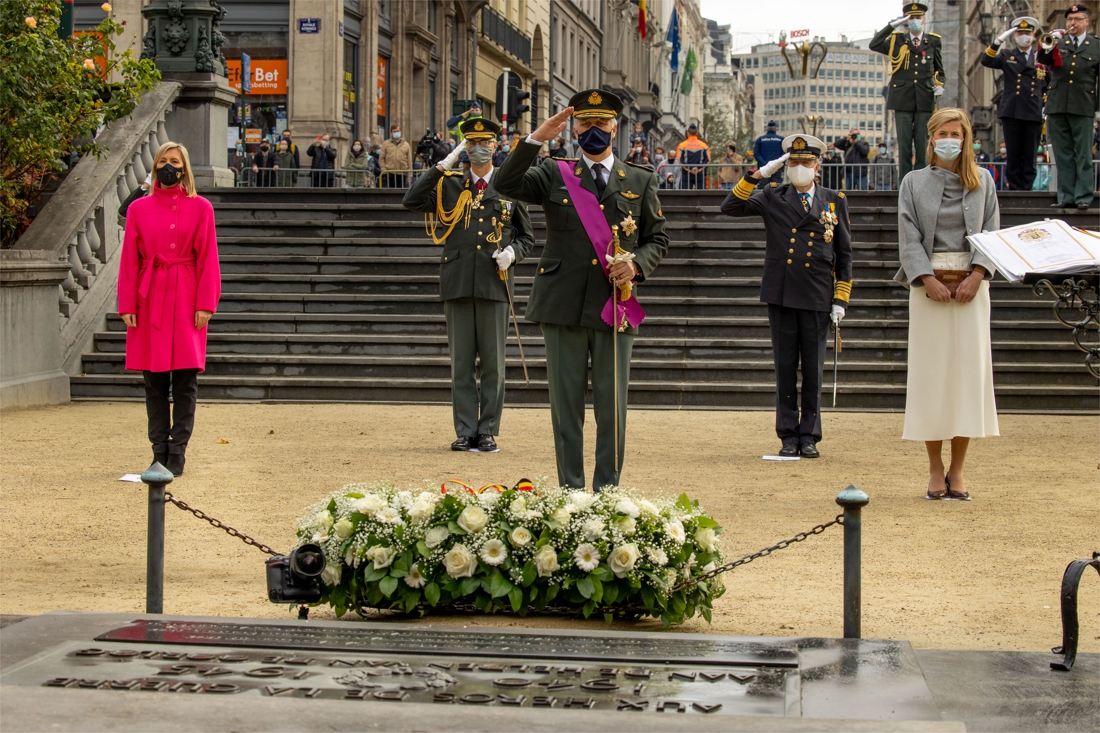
498 233
836 350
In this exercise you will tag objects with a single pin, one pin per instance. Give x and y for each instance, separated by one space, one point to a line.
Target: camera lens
308 561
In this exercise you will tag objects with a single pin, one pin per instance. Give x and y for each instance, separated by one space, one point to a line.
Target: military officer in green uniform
604 228
483 235
916 80
1072 101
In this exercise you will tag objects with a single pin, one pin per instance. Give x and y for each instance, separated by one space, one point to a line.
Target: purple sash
599 233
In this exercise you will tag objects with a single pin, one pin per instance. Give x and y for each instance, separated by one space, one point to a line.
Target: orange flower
89 64
30 21
106 7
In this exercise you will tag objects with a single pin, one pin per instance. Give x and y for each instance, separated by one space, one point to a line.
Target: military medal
505 210
829 220
628 226
1040 72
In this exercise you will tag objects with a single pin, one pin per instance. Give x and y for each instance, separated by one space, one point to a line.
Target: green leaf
603 572
469 585
705 611
375 574
354 495
609 618
411 599
683 502
705 522
610 593
597 589
585 586
455 529
529 573
388 585
422 548
552 592
648 598
588 608
516 597
499 586
431 593
399 569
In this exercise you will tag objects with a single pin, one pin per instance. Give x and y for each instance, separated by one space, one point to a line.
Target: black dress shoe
486 444
175 463
1059 205
789 450
161 458
809 450
1082 207
464 442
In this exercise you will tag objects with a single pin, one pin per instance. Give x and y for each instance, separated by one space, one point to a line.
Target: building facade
576 35
726 98
680 109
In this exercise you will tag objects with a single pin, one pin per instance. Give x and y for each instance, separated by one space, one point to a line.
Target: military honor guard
1021 107
807 280
604 234
1073 99
916 80
483 234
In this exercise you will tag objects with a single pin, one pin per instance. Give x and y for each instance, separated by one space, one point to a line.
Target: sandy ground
948 575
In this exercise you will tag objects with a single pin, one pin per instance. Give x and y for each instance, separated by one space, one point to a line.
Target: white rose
648 508
436 536
627 525
331 574
493 552
343 529
459 562
581 499
691 563
381 556
415 579
622 559
473 519
708 567
705 538
351 557
587 557
388 515
369 504
627 507
521 536
421 510
322 520
675 530
658 557
561 515
546 561
518 506
593 529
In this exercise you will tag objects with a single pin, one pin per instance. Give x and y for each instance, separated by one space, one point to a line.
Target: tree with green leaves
55 93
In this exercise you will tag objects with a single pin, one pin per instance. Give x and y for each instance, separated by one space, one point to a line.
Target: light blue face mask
948 148
916 25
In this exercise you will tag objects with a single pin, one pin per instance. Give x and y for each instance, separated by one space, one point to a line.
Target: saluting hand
770 169
552 127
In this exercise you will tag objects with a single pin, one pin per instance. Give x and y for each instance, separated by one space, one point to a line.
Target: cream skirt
949 388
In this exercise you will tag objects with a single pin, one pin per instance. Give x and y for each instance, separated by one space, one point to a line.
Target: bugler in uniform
916 79
807 277
590 203
484 234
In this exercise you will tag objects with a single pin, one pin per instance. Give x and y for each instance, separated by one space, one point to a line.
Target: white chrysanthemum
593 529
473 519
403 500
532 514
459 562
436 536
626 525
546 561
675 530
488 499
706 539
648 508
587 557
521 536
658 557
369 504
622 559
581 499
388 515
493 552
331 574
429 496
382 557
628 508
415 579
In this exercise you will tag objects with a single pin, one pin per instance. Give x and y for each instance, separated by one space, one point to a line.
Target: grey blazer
918 208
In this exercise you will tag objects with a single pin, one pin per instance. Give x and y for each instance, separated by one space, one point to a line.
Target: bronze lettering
124 653
638 688
230 658
272 659
514 701
59 682
491 667
91 652
600 684
300 661
90 684
637 674
586 703
184 687
742 677
341 663
666 704
476 698
355 695
556 685
541 669
215 672
201 657
179 669
711 677
606 671
171 656
514 682
276 691
152 685
222 688
630 705
467 667
544 701
443 697
264 672
441 665
389 695
301 675
687 676
311 691
123 684
706 708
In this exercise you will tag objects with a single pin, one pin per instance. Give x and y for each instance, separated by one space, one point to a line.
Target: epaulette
643 166
774 184
840 194
935 35
571 160
453 173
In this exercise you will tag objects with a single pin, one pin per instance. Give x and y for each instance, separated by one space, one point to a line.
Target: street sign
309 25
246 73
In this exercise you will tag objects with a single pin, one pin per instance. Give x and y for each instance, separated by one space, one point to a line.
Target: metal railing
497 29
331 178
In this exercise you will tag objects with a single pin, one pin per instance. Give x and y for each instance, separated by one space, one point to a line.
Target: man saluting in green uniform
484 235
604 227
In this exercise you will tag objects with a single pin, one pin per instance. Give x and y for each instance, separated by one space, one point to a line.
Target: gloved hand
899 22
447 163
505 258
837 315
1004 36
937 92
771 168
1058 34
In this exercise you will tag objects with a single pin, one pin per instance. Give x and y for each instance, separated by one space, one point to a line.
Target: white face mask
800 175
1023 42
948 148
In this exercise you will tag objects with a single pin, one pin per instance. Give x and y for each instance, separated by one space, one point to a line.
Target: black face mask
594 140
263 148
169 175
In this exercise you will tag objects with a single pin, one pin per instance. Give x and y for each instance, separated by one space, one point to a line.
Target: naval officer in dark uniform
916 80
1072 102
483 235
1021 106
807 280
573 297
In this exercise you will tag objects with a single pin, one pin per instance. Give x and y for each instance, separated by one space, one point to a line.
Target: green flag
690 64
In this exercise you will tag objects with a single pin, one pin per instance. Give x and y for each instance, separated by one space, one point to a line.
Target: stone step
642 393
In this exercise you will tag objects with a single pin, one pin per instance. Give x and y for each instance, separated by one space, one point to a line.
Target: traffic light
516 106
510 98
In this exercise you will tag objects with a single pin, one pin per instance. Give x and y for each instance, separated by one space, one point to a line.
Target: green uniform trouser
567 350
912 140
476 330
1071 136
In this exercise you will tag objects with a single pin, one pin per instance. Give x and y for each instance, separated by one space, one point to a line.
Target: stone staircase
333 296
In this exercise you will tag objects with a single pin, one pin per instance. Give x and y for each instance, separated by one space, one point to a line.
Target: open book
1043 246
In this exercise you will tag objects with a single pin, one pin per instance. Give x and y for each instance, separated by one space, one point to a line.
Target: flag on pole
673 37
641 18
690 65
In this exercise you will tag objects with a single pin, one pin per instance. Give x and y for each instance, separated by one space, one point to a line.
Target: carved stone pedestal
199 121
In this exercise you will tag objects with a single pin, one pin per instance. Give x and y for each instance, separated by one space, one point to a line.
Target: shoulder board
840 194
935 35
773 184
453 173
897 33
571 160
643 166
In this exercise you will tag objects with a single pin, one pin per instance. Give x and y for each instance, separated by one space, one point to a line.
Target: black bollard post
853 500
156 477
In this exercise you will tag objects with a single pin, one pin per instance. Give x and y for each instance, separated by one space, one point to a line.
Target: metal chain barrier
215 523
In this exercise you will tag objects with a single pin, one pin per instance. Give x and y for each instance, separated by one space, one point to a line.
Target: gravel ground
946 575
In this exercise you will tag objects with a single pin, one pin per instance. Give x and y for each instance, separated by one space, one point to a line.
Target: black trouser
1021 145
323 180
171 436
798 336
393 180
689 180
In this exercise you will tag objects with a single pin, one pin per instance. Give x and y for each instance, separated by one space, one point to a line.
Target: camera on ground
296 578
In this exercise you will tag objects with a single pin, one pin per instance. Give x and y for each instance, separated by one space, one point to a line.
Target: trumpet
1047 41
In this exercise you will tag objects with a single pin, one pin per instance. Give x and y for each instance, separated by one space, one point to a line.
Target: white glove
1004 36
505 258
838 314
447 163
899 22
771 168
1058 34
937 92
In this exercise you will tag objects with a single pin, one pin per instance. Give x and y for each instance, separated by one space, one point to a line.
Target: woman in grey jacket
949 387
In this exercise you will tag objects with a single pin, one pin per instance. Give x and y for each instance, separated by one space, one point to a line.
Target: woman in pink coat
169 283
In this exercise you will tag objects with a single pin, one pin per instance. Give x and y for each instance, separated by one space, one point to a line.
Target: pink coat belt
159 265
